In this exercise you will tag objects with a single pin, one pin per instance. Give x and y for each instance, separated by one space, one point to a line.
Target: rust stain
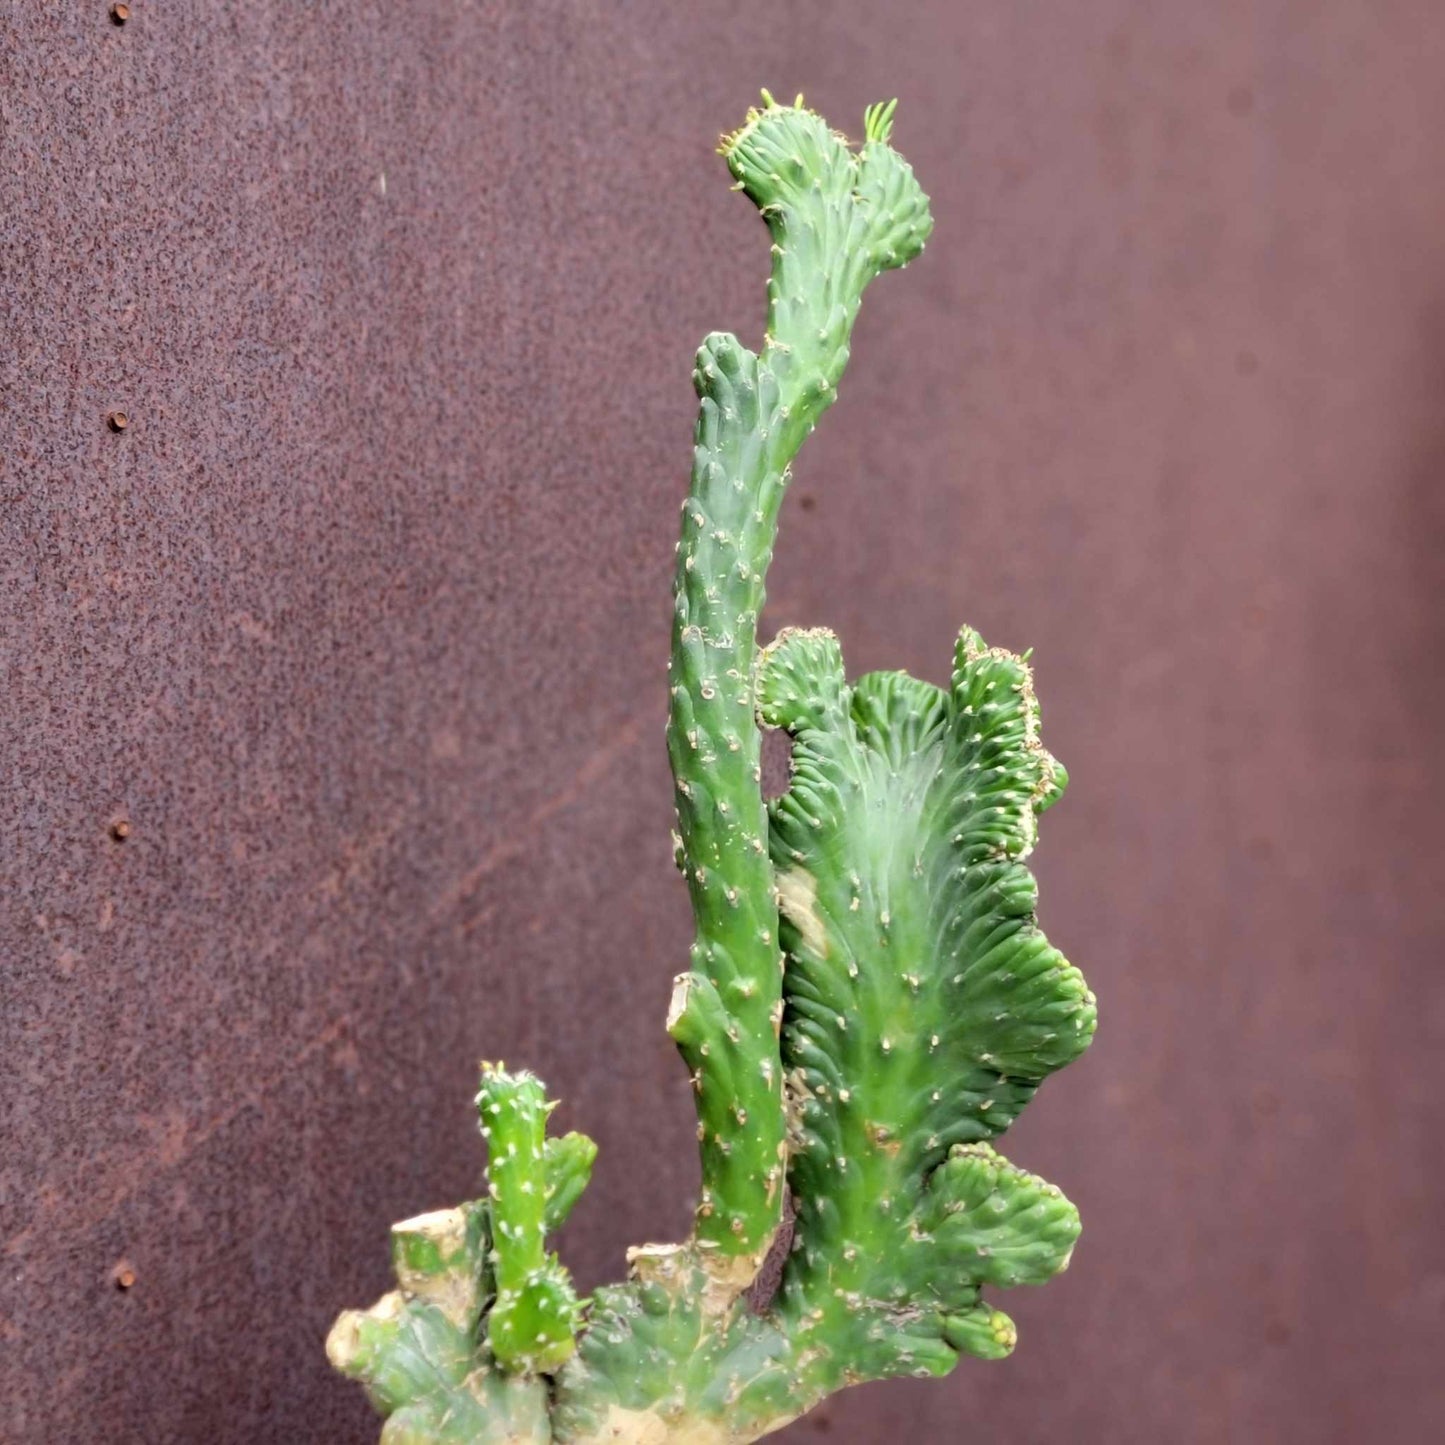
104 1184
594 768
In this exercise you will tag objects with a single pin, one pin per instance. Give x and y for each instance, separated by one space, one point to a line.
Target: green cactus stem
532 1325
870 1001
837 219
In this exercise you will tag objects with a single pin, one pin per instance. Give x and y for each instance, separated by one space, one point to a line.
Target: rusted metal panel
333 682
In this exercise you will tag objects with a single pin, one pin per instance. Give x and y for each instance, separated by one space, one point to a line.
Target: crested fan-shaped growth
869 1003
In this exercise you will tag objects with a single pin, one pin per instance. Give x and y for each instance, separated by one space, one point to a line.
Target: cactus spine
869 1002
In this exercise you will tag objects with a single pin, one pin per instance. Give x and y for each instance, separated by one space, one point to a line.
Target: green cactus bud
993 1223
566 1167
981 1331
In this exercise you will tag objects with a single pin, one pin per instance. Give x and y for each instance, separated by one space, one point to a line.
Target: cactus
532 1325
869 1002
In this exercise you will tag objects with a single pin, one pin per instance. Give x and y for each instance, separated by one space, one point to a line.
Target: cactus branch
533 1323
870 1001
837 218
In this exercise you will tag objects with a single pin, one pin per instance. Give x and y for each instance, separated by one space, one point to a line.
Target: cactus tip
878 121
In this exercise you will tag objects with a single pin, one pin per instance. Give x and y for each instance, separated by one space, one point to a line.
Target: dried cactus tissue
869 1001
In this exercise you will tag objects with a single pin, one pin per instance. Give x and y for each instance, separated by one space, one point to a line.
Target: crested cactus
869 1003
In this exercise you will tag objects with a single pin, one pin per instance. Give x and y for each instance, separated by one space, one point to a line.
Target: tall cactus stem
837 218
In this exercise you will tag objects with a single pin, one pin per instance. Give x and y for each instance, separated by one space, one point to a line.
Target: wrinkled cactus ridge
869 1001
924 1006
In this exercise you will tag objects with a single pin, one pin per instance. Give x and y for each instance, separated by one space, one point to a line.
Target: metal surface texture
333 696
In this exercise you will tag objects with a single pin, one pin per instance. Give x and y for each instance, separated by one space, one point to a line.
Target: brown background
362 627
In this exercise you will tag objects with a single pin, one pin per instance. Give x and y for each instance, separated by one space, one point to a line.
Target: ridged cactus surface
924 1005
869 1002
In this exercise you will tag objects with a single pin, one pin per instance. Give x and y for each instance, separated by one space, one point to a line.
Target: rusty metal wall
359 629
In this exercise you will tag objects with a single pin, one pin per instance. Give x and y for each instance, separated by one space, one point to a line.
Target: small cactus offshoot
870 1001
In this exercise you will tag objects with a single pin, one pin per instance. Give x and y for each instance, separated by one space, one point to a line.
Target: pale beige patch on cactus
725 1276
454 1289
798 898
647 1427
343 1343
